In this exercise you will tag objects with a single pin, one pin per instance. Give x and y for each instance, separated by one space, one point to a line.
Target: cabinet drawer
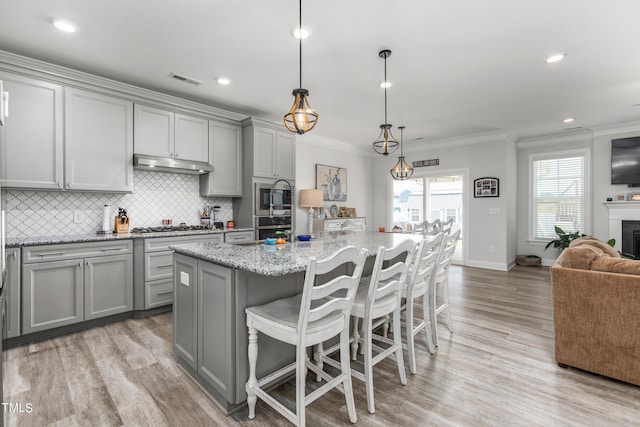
158 265
333 225
159 293
163 243
65 251
238 236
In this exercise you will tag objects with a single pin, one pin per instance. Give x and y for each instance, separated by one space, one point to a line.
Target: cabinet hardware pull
111 249
165 266
165 293
51 254
13 255
68 185
58 183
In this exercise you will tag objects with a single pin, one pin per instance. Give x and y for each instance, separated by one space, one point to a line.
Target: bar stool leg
318 352
397 338
346 371
252 353
355 335
428 327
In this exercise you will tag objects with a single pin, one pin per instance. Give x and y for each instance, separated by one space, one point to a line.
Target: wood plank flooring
496 369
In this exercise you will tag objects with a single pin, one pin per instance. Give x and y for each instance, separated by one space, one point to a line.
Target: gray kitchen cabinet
98 142
164 133
52 295
33 148
270 152
153 274
185 310
239 236
215 307
203 321
69 283
108 285
225 155
13 292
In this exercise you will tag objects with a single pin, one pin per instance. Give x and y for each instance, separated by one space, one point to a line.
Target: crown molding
334 144
617 128
556 138
458 141
30 67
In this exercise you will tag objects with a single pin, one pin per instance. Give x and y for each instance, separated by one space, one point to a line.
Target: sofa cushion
580 257
616 265
592 241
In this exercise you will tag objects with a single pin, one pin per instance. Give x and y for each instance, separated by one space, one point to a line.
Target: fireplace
619 213
631 238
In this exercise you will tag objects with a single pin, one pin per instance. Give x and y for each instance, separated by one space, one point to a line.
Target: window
559 194
451 214
415 215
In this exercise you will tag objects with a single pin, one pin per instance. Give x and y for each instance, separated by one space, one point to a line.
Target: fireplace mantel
618 212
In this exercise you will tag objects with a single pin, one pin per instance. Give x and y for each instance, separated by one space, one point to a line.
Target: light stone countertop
13 242
278 260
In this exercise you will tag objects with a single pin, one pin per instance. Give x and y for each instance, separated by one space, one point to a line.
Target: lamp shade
311 198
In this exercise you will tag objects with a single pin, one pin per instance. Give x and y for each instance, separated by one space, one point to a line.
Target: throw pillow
592 241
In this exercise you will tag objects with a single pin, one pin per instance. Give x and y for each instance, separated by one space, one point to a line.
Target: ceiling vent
185 79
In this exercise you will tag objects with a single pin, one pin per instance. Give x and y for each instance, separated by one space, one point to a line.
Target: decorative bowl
270 241
304 237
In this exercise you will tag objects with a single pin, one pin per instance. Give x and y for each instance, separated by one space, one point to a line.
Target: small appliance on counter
121 222
218 225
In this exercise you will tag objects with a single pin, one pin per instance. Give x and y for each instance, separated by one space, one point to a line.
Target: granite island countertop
279 260
14 242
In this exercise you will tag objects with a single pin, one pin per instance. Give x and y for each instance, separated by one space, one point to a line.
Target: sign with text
430 162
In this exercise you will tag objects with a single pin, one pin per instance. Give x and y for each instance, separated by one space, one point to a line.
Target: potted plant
564 239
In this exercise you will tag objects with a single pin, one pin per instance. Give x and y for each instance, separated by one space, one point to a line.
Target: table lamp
311 199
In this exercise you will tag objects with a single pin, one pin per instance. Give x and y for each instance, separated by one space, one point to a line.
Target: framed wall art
332 180
486 187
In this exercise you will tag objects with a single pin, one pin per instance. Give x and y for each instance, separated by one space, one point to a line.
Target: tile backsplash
156 196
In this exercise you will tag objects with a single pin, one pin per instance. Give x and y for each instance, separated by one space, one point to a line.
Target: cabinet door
191 138
285 156
108 285
264 151
98 142
215 302
52 295
185 309
154 131
225 154
32 154
13 292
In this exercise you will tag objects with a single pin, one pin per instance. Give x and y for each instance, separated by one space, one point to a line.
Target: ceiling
457 67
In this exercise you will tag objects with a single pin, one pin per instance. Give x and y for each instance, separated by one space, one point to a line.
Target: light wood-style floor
496 369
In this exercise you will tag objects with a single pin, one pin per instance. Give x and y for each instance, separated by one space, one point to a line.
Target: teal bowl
270 241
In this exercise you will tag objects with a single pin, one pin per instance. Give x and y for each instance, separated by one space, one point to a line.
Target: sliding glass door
430 197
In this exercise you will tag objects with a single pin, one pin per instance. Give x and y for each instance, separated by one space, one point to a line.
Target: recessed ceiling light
556 57
568 120
301 32
65 26
385 84
223 81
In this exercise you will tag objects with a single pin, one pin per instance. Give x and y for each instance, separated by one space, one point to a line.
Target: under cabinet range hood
169 164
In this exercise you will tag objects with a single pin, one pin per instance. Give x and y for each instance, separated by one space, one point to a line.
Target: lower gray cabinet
215 304
108 285
52 295
69 283
203 322
13 292
185 309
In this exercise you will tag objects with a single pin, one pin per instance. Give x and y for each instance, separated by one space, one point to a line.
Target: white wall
311 150
487 155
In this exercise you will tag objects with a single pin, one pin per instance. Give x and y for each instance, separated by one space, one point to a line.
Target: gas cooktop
169 228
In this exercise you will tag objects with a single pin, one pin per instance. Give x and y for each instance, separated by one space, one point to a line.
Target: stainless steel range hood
169 164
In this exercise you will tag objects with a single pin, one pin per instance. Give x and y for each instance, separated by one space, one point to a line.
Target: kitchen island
213 285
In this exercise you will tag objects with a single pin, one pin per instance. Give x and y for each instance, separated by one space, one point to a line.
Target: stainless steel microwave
273 201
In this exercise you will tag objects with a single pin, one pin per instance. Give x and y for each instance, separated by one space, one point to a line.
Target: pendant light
401 170
301 118
385 143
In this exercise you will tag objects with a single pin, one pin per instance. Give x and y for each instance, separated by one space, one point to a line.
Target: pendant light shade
301 118
385 143
401 170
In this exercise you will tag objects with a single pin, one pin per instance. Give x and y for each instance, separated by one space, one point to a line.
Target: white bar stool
318 314
442 280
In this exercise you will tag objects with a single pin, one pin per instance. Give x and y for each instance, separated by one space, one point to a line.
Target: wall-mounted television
625 161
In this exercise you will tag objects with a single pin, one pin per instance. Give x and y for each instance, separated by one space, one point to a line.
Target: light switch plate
184 278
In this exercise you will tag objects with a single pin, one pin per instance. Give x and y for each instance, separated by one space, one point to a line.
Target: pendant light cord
385 89
300 34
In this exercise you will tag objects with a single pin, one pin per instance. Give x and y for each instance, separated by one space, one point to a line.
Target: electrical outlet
492 249
184 278
78 217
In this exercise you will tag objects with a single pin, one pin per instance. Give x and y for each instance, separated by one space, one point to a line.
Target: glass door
430 197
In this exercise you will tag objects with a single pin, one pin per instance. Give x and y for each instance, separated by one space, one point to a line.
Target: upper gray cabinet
98 142
225 155
80 141
271 151
164 133
33 134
